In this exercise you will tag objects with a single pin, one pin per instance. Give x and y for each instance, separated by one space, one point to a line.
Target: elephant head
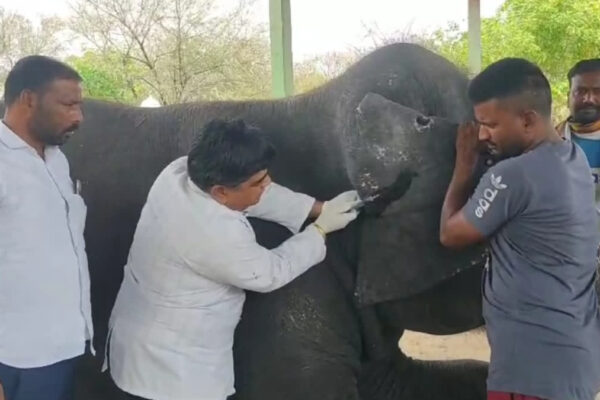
405 159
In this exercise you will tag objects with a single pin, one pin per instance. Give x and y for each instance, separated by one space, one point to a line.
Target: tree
554 34
19 37
378 37
316 71
107 77
187 49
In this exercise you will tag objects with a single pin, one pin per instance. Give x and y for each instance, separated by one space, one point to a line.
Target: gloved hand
337 213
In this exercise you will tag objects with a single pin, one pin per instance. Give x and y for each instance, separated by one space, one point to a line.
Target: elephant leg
402 378
92 384
300 342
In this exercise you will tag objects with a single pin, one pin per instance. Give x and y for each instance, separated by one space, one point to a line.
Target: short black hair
35 73
513 77
228 153
582 67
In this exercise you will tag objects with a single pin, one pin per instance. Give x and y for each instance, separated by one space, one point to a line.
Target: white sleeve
240 261
3 190
283 206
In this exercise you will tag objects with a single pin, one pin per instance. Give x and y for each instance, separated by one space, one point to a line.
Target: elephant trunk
402 378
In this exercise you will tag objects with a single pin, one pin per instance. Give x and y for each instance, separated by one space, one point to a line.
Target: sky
320 26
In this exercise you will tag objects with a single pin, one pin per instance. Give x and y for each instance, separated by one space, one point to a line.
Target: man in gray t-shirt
536 208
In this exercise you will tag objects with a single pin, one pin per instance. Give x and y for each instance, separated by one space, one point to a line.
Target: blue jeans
52 382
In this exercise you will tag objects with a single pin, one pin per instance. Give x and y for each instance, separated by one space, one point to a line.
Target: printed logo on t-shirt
489 194
497 182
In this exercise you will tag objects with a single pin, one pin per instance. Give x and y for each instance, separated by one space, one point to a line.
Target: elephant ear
400 257
400 254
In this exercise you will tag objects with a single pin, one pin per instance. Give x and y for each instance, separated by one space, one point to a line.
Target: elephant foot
403 378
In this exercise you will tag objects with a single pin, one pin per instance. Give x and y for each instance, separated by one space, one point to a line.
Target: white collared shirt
172 326
45 313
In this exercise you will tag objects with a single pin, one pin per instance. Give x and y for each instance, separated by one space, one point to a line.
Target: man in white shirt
45 316
193 255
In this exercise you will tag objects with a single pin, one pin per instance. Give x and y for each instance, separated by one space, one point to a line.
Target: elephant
386 127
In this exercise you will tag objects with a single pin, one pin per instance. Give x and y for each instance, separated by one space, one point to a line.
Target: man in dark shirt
536 208
583 124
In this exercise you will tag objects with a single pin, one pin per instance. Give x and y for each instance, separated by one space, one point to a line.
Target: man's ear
530 118
219 193
569 95
28 98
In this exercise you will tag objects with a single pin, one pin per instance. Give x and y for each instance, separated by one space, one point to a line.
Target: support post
474 37
281 48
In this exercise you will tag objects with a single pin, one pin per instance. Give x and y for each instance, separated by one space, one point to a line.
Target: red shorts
509 396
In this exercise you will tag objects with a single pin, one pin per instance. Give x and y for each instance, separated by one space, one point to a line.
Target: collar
208 198
11 139
14 142
581 128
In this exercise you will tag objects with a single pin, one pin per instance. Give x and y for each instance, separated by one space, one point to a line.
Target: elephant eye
423 121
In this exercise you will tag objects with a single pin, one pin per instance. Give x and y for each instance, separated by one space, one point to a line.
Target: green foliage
107 76
307 77
554 34
180 50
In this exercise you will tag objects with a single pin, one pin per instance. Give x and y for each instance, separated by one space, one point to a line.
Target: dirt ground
472 344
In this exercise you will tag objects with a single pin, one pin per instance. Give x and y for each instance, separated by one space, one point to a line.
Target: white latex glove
337 213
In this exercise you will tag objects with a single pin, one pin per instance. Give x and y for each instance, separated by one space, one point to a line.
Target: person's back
540 304
164 288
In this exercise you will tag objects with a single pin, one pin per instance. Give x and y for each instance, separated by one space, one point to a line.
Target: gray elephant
387 127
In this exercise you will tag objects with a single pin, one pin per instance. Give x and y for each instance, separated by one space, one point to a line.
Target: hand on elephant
468 145
338 212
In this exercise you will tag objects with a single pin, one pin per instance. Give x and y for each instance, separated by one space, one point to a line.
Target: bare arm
316 209
455 230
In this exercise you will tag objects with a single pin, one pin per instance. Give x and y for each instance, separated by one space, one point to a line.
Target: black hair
35 73
228 153
582 67
513 77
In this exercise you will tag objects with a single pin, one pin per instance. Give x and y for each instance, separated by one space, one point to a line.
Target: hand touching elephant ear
408 159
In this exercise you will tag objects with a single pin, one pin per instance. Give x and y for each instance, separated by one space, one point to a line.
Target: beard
586 114
51 135
508 151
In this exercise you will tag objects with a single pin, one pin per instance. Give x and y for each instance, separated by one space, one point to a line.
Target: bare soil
472 345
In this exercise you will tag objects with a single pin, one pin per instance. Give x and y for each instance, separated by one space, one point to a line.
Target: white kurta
173 323
45 312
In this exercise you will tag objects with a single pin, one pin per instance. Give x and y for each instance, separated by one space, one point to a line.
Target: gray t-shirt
539 301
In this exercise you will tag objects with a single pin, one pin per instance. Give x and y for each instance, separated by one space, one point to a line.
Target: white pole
474 37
